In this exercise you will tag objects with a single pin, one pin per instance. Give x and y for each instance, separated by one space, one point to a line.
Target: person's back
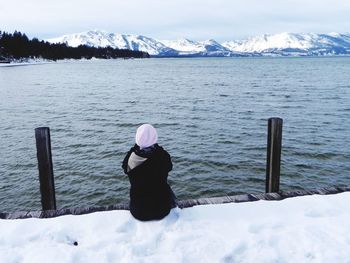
147 166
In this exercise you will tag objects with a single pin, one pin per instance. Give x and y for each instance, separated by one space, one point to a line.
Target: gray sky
162 19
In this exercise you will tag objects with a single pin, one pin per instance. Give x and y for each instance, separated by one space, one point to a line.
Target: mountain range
283 44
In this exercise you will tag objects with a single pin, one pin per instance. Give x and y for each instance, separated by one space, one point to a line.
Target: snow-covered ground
301 229
26 61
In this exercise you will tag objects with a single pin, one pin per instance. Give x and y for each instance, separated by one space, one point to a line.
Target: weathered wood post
47 186
273 162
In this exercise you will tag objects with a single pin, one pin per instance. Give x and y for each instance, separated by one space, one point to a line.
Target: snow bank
26 62
301 229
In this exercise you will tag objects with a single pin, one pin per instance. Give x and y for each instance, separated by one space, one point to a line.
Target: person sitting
147 165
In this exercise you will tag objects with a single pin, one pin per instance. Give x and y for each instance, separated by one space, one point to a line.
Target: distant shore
38 61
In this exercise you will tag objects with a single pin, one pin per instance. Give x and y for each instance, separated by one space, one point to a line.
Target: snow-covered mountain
283 44
182 47
293 44
99 38
202 48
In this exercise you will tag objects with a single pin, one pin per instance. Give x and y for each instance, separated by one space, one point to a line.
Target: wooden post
274 145
47 186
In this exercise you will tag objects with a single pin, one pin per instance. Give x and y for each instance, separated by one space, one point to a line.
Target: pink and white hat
146 136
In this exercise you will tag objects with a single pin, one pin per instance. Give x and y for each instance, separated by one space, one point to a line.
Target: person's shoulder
161 150
158 147
164 158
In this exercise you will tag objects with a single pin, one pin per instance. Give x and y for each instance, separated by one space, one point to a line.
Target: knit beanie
146 136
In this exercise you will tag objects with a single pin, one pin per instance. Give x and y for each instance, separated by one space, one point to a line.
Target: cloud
162 19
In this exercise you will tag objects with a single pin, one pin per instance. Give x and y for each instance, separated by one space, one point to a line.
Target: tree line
17 45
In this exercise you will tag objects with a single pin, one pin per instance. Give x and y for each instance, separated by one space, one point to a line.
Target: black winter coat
150 195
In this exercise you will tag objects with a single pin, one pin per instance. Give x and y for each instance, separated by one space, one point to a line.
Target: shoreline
45 61
243 198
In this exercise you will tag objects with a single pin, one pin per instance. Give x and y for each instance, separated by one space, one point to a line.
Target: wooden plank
46 178
273 160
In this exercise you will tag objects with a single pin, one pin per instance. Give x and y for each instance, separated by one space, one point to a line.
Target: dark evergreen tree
18 45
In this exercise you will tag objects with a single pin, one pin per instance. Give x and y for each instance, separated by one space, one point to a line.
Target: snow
277 41
101 38
25 62
184 45
294 43
301 41
302 229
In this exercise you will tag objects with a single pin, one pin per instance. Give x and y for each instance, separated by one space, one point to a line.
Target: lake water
211 115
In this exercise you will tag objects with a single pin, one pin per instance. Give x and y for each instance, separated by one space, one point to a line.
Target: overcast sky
162 19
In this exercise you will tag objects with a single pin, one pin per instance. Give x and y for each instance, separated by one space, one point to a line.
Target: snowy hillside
284 44
184 45
302 229
98 38
202 48
291 43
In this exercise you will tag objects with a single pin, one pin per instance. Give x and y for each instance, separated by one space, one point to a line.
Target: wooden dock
181 204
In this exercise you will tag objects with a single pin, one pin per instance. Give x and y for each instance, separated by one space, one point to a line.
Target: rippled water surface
211 115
